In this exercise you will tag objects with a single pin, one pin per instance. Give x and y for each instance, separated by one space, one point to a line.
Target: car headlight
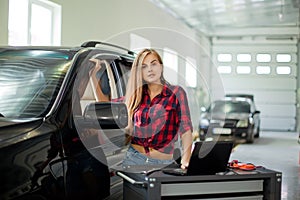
242 123
204 122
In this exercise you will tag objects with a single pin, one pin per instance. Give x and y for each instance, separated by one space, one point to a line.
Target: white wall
103 20
114 21
3 22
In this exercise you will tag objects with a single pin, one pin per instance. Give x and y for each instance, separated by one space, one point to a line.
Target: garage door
265 68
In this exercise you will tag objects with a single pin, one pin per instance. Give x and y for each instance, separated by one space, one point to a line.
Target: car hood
10 128
220 116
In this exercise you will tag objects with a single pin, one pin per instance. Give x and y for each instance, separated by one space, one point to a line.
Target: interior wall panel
275 94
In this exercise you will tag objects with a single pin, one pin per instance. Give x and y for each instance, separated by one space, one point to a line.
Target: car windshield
230 107
29 81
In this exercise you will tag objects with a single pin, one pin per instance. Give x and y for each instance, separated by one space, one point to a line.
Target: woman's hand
184 166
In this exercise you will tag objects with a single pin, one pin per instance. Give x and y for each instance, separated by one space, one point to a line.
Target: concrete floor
278 151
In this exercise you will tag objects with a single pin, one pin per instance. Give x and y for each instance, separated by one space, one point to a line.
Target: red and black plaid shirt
157 123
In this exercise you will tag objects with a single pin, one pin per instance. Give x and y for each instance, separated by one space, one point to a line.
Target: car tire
257 132
250 136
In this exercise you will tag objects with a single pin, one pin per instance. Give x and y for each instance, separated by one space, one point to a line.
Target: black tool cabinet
259 184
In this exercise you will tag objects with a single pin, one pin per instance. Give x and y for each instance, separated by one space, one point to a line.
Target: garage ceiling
211 16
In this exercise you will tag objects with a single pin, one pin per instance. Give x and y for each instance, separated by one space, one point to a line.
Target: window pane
243 69
283 58
243 58
263 57
34 22
41 25
224 57
283 70
170 60
224 69
263 69
17 22
191 72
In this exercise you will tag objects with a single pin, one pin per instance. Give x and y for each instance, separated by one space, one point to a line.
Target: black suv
61 133
233 118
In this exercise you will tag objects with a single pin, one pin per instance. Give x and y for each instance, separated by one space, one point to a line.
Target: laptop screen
209 157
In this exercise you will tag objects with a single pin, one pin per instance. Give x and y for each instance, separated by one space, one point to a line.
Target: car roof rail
94 43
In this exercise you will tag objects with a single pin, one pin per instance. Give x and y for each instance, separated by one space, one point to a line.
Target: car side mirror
255 112
109 115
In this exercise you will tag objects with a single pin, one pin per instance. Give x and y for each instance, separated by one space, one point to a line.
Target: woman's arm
185 127
187 140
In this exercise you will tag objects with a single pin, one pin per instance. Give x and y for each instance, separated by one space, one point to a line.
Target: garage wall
275 94
114 20
105 20
3 22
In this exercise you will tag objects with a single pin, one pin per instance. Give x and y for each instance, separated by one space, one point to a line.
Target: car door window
102 85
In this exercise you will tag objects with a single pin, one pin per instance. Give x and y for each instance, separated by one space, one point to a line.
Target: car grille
228 123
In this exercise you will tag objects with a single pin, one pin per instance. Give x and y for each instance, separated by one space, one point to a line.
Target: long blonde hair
135 84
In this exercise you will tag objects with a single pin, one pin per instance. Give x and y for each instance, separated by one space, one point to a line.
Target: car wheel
257 132
250 136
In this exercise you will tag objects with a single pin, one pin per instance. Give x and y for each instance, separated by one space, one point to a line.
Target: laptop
208 158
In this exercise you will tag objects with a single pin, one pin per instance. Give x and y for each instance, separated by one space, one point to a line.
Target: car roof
74 49
249 96
67 53
236 99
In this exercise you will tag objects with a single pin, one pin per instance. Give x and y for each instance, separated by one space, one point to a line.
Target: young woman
158 114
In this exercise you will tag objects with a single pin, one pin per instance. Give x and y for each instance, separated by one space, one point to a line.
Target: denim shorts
133 157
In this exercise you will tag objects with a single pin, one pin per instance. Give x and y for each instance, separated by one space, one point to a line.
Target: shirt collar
166 91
